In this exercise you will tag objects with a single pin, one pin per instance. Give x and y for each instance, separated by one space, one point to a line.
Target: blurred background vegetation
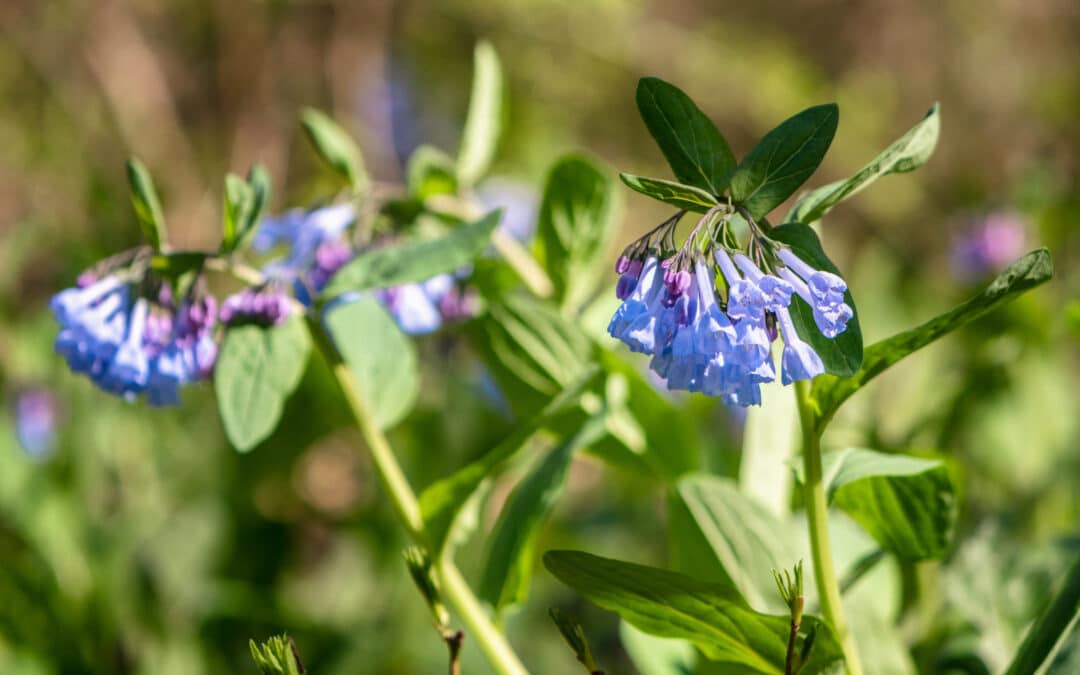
134 541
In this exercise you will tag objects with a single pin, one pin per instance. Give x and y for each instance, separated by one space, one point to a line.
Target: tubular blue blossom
823 292
316 246
421 308
799 360
746 307
302 231
413 309
129 370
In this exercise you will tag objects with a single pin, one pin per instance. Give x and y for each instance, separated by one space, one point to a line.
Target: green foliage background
147 545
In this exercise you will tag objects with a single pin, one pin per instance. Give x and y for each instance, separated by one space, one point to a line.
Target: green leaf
907 504
535 342
783 159
743 540
843 354
257 368
443 500
694 148
414 260
682 196
673 605
260 185
1026 273
177 264
1051 625
381 358
239 200
672 444
574 635
652 655
907 153
336 147
484 121
508 570
147 205
431 172
277 656
577 219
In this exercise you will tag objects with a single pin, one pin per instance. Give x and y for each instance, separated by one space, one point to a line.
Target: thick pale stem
460 597
817 513
519 258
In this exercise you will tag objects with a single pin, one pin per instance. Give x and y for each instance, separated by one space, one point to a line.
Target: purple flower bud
625 286
622 265
268 307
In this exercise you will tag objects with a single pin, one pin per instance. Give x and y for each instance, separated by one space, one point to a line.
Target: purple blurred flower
988 245
35 422
265 306
423 307
519 203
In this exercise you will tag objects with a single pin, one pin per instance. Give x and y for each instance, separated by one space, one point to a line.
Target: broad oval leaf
147 205
578 214
508 570
783 159
830 392
484 120
907 153
906 503
694 148
744 540
843 354
257 368
443 500
673 605
685 197
336 147
381 358
414 260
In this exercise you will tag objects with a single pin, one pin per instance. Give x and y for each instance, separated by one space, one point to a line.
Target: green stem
498 651
522 262
817 513
1041 638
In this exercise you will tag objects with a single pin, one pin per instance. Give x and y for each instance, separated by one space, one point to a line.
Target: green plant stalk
817 513
1045 633
493 643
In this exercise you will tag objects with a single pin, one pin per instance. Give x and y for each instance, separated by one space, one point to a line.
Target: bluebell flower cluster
718 345
130 344
318 248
